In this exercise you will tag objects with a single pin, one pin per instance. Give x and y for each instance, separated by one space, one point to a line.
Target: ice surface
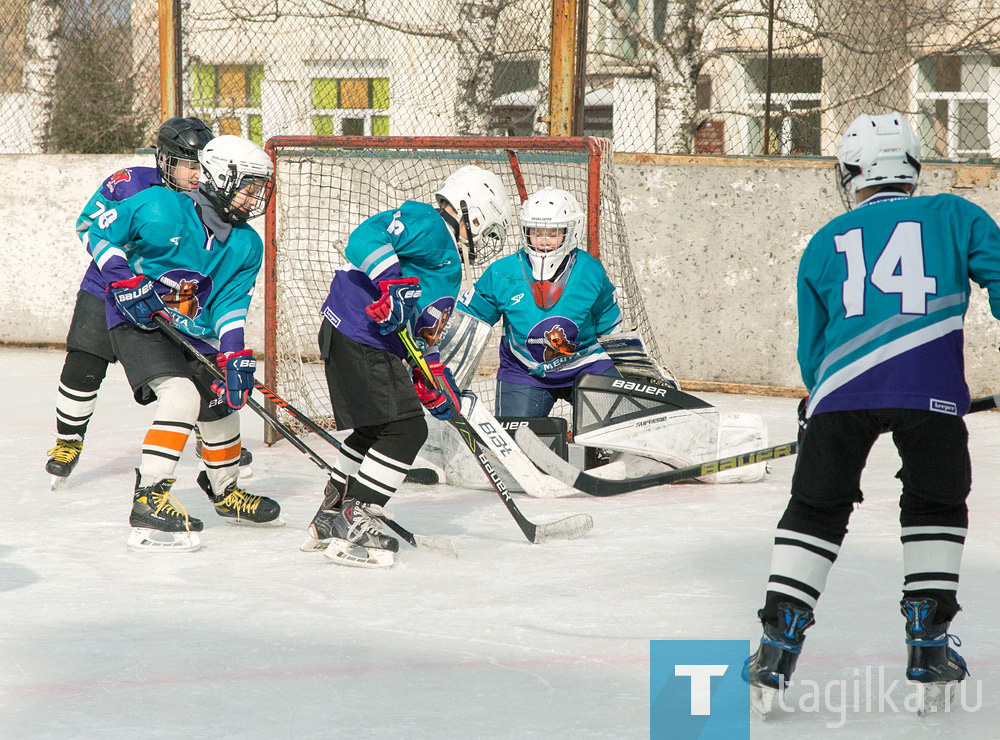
250 638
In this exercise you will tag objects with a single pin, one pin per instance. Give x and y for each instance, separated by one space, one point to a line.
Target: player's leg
934 516
518 399
826 485
88 352
158 372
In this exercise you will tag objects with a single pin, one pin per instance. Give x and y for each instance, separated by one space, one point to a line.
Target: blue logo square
695 689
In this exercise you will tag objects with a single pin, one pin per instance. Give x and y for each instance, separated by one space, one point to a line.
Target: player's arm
984 255
372 249
607 313
481 301
812 323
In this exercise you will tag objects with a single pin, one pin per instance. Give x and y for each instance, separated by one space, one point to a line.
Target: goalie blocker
657 426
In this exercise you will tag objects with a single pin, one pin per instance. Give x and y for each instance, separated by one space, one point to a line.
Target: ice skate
62 459
159 522
769 670
246 457
357 540
321 527
931 661
240 507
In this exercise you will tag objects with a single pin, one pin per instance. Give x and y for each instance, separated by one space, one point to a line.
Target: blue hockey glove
398 302
442 400
138 301
239 368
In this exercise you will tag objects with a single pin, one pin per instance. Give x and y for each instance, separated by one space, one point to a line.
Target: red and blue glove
138 301
239 368
399 298
442 400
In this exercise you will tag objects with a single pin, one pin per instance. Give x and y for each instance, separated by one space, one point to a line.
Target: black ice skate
321 526
770 668
240 507
62 459
159 522
930 659
357 538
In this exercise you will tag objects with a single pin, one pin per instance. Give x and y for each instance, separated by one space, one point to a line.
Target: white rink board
250 638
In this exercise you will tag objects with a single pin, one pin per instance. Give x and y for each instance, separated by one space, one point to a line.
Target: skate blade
356 556
314 545
936 697
58 482
279 522
154 540
762 701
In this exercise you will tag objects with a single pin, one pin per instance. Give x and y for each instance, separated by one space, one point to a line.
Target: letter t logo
701 685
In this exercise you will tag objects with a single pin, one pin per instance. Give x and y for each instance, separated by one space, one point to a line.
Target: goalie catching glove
399 298
440 395
238 368
138 301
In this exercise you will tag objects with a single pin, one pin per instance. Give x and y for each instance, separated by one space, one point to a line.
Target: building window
350 106
953 105
229 95
795 86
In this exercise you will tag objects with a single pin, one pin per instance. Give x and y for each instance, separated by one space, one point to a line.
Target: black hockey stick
438 544
551 463
569 528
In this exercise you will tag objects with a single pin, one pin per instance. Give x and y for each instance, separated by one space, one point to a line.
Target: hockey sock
388 460
220 450
352 453
177 408
81 378
933 535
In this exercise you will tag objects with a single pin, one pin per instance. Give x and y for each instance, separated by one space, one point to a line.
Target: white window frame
340 70
953 99
756 99
241 114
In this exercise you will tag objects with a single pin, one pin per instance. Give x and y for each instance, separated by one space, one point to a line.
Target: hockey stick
438 544
555 466
569 528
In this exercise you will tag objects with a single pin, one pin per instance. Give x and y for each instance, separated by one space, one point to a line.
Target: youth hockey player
192 258
882 295
404 271
555 301
88 347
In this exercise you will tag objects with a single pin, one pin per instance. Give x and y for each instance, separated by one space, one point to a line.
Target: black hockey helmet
179 139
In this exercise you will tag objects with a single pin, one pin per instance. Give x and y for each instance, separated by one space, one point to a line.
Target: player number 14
898 269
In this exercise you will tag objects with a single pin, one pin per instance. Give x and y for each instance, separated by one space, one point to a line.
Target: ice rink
251 638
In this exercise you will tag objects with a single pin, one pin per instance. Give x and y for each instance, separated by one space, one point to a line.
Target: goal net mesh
325 188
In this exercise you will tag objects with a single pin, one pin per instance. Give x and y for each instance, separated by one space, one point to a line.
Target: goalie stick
555 466
569 528
440 545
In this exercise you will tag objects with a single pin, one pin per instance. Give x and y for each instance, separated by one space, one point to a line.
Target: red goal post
325 186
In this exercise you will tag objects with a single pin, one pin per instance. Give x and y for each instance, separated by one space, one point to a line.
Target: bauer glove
138 301
399 298
440 395
238 368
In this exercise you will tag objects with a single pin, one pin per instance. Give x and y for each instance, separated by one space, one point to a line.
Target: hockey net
325 188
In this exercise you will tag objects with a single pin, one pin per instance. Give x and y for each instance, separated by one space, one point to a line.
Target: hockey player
192 258
882 295
555 301
88 347
404 271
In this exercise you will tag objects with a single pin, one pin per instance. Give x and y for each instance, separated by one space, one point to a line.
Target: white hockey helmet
480 199
237 176
558 213
877 150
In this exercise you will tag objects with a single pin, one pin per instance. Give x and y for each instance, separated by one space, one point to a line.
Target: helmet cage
238 178
179 140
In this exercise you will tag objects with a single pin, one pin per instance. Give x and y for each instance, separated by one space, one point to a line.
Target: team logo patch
432 320
553 338
189 291
119 177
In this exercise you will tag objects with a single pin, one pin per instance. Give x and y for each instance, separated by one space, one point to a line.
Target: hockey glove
138 301
398 302
442 400
238 368
802 417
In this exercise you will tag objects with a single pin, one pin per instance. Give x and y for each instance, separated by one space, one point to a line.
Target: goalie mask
237 177
877 150
551 224
177 145
481 201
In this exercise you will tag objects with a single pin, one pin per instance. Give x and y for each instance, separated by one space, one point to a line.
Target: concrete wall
715 243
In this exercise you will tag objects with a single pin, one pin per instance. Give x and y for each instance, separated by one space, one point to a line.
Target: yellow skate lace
239 500
165 502
65 450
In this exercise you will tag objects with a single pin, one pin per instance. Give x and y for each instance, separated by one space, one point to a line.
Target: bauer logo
944 407
695 689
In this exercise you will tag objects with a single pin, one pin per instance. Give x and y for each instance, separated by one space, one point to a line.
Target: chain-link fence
737 77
